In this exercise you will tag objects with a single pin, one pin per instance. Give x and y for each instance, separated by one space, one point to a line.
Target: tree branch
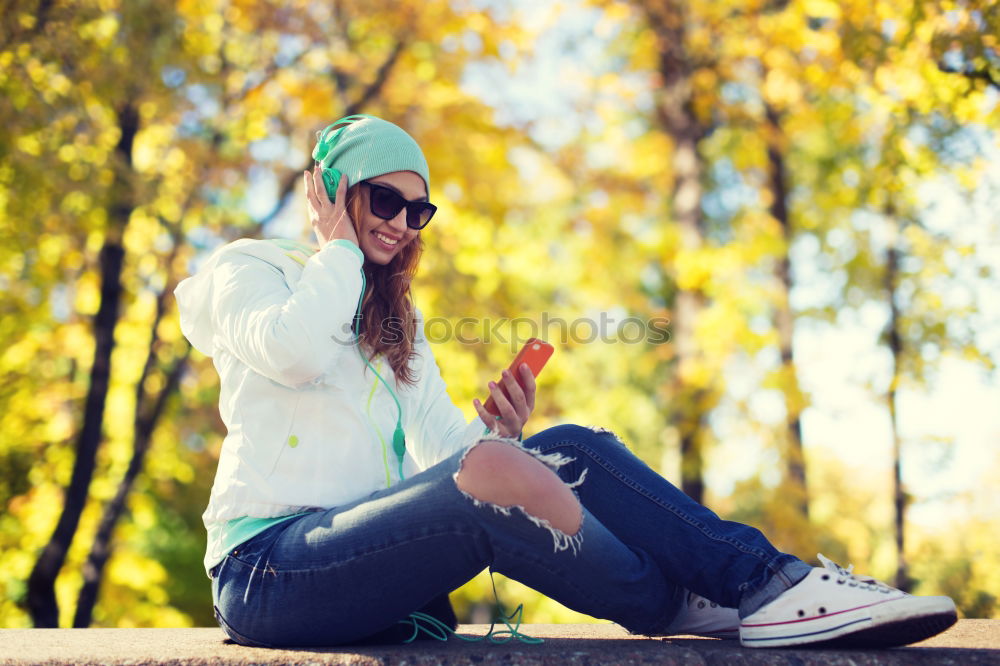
973 74
370 92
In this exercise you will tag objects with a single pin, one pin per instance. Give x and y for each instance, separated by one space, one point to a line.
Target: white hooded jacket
308 424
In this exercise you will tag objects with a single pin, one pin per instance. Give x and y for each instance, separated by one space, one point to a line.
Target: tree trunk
784 319
41 583
895 341
100 551
42 603
676 116
148 409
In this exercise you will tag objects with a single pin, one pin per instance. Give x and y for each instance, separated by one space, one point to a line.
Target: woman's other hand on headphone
514 412
329 220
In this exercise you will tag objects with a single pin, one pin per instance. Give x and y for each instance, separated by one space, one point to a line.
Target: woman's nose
398 223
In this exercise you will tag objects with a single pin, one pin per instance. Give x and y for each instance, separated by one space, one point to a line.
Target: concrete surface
969 643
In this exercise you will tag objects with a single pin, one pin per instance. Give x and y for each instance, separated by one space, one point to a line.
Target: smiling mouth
391 242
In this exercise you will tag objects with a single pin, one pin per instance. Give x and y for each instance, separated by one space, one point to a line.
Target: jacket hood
194 294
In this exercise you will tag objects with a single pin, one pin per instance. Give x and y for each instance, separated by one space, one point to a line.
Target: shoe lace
852 579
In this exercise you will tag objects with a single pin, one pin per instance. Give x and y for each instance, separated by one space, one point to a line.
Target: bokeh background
807 190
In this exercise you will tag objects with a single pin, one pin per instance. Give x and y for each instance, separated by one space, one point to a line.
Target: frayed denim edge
560 540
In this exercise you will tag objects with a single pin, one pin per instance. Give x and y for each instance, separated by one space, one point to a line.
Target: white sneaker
701 617
834 607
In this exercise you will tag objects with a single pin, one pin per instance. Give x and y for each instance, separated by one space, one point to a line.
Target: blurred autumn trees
763 78
725 154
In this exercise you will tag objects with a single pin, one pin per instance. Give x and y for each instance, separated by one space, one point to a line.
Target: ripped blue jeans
340 575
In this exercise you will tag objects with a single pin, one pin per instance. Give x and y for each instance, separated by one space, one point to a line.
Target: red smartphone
535 353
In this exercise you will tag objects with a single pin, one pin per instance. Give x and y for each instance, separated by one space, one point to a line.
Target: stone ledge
970 642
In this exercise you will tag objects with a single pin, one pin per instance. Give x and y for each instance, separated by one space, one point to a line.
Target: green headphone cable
398 436
378 431
437 629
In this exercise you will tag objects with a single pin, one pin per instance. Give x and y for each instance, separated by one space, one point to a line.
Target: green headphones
323 154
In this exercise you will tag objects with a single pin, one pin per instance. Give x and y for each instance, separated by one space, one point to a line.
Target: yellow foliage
781 88
694 268
822 8
131 570
29 144
524 229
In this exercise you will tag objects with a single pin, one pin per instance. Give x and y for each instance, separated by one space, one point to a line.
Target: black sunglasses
386 203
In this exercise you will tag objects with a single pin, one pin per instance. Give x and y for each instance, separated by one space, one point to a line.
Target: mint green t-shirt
239 530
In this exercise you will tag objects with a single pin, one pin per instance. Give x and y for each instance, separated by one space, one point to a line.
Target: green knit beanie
364 146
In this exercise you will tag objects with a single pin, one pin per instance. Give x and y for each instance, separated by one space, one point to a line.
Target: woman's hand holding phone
512 401
514 412
329 220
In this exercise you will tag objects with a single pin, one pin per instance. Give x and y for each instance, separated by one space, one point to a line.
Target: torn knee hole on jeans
560 539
